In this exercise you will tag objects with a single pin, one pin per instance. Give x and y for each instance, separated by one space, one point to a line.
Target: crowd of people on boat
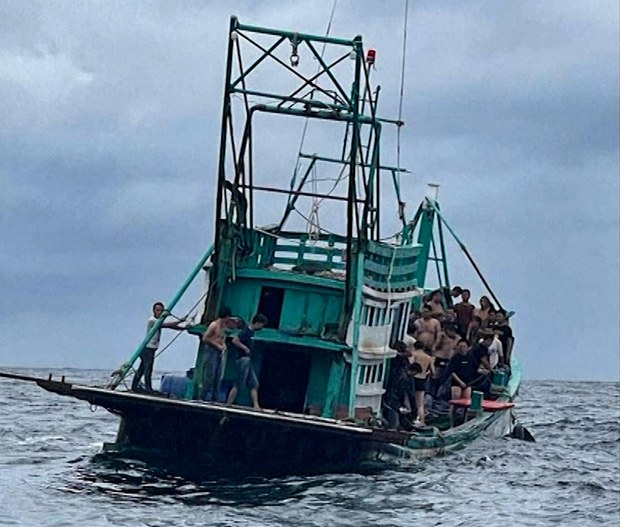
451 349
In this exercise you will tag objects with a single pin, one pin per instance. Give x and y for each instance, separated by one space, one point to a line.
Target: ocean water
53 474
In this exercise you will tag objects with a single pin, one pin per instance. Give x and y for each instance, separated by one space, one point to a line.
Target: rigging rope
314 226
400 123
314 213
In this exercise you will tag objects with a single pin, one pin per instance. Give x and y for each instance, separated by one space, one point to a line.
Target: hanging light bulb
294 54
234 36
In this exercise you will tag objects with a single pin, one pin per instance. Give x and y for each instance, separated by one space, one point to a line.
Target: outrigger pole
122 372
461 245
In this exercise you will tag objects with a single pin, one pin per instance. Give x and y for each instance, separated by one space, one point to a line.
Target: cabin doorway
270 304
284 375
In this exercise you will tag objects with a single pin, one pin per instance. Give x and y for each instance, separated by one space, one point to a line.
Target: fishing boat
336 297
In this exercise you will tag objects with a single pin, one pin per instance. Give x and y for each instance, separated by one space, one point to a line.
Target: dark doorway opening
284 375
270 305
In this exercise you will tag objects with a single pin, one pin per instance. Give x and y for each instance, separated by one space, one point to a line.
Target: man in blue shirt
245 373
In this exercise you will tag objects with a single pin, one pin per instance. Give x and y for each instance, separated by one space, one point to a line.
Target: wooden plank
383 249
276 275
89 393
381 269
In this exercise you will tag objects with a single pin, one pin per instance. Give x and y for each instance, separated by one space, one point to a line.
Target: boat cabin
303 355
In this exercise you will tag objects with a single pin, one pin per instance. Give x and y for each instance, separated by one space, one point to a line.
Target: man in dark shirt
504 334
469 368
243 342
464 312
464 369
480 350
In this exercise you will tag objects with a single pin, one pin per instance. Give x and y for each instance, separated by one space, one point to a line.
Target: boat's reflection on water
130 479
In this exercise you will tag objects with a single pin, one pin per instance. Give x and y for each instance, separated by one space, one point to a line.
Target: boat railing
391 267
292 250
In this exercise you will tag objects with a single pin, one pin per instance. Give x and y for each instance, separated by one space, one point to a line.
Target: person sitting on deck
245 373
427 329
147 356
464 312
483 311
214 339
474 329
420 376
505 335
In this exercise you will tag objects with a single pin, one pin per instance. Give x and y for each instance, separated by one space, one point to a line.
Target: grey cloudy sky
109 120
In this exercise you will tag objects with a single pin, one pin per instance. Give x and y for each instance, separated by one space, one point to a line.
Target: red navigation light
371 54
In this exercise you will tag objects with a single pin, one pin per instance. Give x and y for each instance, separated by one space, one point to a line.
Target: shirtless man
426 368
436 304
442 355
428 329
447 344
214 340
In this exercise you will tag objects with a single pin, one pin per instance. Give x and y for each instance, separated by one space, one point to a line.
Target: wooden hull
202 440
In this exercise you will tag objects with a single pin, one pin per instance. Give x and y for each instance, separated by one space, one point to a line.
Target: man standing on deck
245 373
428 329
442 355
504 334
147 356
464 312
214 340
426 367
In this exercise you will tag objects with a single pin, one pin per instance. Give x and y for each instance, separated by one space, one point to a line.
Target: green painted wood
386 270
425 236
335 383
357 309
291 278
383 249
318 380
290 34
308 342
406 284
